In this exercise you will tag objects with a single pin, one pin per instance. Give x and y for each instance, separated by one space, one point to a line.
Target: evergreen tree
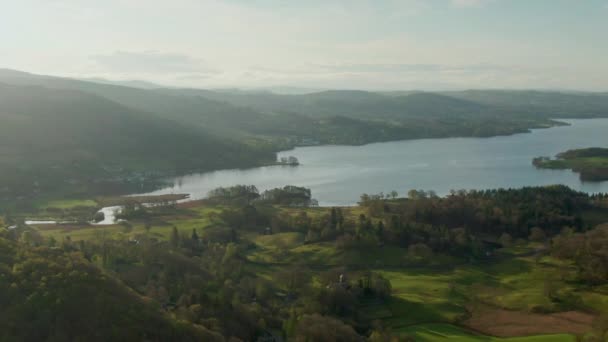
174 238
380 230
334 218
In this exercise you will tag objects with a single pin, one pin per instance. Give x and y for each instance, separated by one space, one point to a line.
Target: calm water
338 175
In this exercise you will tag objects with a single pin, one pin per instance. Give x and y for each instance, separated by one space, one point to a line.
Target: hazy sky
365 44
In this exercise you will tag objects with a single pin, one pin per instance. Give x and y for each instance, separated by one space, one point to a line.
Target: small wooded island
590 163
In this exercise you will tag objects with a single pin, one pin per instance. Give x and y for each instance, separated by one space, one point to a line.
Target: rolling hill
542 103
64 297
55 137
59 130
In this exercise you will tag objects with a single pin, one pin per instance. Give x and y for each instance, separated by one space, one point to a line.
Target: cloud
468 3
317 43
404 68
151 62
193 77
386 76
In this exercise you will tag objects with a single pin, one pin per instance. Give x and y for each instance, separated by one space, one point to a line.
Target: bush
537 234
419 250
324 329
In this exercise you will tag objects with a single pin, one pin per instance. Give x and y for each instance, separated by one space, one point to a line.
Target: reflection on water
338 175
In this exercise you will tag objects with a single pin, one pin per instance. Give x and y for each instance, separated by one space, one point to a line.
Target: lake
338 175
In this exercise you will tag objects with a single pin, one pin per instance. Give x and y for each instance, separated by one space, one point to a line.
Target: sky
322 44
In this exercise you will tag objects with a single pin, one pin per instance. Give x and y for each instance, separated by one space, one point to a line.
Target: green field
443 332
432 299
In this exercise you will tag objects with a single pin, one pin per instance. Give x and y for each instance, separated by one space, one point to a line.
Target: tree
340 218
174 240
334 218
293 279
600 327
505 239
381 286
380 230
291 160
419 250
289 326
324 329
416 194
537 234
230 253
361 225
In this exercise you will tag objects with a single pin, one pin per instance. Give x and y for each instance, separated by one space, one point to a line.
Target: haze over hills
73 121
126 83
295 171
233 114
56 121
63 138
554 104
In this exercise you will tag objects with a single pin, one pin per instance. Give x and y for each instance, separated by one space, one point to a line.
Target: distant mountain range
54 123
126 83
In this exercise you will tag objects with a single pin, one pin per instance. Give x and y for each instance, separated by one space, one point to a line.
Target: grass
442 332
520 284
77 233
439 290
280 240
308 254
444 295
68 204
596 299
422 295
185 221
575 163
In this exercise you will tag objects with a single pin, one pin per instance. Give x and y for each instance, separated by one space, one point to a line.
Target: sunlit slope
50 295
542 103
55 134
336 116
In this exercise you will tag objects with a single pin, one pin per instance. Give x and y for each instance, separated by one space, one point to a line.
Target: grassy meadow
509 297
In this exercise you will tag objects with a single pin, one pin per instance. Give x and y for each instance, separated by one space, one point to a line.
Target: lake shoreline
160 180
439 164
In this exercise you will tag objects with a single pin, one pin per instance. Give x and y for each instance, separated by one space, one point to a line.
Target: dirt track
506 323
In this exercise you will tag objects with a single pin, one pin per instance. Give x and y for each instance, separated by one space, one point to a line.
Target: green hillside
590 163
287 119
54 138
497 265
86 137
64 297
542 103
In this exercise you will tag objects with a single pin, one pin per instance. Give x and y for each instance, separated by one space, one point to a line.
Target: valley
430 278
102 139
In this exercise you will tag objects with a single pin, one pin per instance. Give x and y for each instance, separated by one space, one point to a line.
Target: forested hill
546 103
357 104
64 297
53 138
590 163
282 121
418 104
242 265
78 131
202 112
